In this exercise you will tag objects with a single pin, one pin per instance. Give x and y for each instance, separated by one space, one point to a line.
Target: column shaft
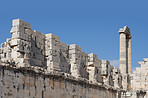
129 57
123 57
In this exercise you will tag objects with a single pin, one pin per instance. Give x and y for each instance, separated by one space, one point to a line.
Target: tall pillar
129 56
123 57
125 50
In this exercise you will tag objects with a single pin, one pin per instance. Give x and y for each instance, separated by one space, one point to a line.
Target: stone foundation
25 83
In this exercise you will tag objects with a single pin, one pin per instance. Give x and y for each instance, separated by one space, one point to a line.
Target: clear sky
91 24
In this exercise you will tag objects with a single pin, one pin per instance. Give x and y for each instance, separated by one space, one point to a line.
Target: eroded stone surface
38 65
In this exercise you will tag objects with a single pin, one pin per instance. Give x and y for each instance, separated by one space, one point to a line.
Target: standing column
123 52
129 56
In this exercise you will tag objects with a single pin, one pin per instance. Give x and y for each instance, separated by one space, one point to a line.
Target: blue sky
91 24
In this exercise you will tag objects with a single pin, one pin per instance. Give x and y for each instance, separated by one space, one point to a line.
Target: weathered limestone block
19 22
124 82
39 57
49 52
104 66
52 44
15 42
53 58
39 37
110 74
23 46
15 54
107 73
21 35
140 76
53 66
94 68
5 51
78 61
52 52
64 57
16 29
93 59
52 36
74 47
29 31
117 78
94 74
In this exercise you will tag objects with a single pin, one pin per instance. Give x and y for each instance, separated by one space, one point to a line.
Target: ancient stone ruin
37 65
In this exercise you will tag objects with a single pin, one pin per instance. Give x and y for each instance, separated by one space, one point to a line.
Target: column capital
125 30
122 31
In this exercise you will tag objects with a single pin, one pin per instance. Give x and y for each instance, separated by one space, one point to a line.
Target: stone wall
38 65
25 83
31 49
139 78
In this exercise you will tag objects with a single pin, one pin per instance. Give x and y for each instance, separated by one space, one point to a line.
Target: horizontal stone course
46 54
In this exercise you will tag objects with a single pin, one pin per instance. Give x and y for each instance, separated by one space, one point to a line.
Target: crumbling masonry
38 65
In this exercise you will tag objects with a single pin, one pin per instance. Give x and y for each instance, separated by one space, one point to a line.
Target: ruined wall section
78 61
94 68
57 54
139 80
27 43
25 83
31 49
140 76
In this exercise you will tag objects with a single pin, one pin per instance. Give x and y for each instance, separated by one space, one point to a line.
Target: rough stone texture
140 76
23 83
36 65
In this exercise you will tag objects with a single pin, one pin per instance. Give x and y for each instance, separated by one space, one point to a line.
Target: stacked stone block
27 44
20 43
117 78
64 58
37 48
56 53
94 68
78 61
52 52
5 51
32 49
106 72
140 76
